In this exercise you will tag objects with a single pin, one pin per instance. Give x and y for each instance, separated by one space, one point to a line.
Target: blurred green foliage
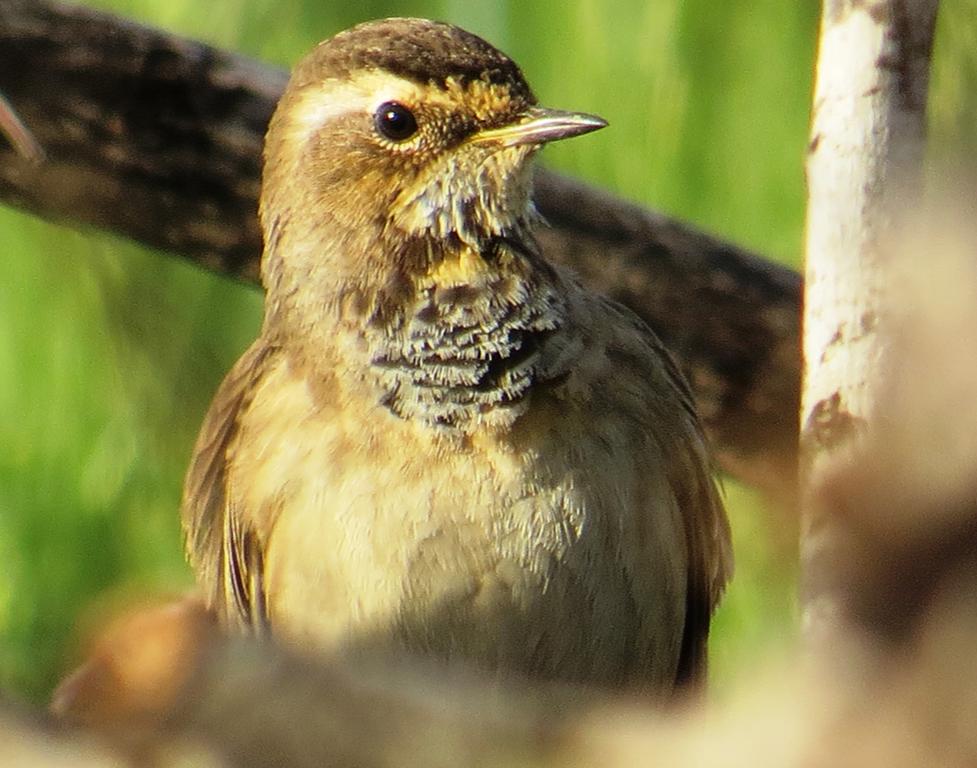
110 353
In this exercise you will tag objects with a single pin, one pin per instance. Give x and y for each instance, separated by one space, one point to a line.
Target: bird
440 443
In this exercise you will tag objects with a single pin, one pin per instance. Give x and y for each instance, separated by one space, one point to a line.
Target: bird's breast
466 348
528 552
476 557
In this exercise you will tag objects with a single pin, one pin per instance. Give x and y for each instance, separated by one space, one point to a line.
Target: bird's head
397 137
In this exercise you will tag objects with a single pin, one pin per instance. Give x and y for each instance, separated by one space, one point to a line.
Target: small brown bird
441 442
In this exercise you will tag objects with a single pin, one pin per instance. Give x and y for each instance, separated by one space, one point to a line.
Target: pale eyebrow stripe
363 93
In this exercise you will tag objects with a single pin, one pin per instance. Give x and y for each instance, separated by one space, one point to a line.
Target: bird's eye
394 121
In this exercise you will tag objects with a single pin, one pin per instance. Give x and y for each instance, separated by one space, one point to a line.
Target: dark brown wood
19 137
159 138
147 134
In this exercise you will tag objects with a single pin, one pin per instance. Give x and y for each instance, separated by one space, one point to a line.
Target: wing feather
669 411
224 552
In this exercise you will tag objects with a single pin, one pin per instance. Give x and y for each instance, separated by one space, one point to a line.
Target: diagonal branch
159 138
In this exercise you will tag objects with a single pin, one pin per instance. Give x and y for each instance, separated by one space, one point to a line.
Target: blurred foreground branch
159 138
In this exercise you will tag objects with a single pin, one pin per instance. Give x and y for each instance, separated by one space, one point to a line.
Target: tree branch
864 177
159 138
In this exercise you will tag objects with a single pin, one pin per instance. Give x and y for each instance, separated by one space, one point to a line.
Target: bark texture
159 138
864 175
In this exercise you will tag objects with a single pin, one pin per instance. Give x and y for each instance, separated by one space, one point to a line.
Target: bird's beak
538 126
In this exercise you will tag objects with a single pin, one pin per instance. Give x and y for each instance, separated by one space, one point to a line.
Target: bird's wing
225 552
710 553
691 472
654 389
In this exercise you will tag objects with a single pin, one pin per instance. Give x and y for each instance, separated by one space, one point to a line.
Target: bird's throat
463 347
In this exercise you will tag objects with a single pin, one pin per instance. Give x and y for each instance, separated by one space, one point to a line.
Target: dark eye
394 121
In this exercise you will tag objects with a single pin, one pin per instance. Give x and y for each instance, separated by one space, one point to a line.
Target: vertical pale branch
864 174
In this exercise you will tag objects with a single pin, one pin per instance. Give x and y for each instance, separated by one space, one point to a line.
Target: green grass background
110 352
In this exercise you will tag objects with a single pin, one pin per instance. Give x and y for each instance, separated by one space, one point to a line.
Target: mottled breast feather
460 354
